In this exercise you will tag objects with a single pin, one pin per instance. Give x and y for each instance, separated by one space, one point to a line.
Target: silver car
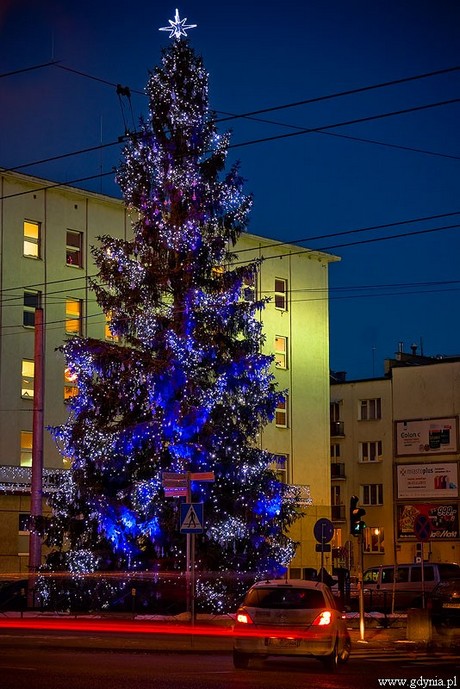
290 618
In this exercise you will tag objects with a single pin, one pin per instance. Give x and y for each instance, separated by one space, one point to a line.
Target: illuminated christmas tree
185 386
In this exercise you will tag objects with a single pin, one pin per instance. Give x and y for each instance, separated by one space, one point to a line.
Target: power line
339 94
277 256
356 231
310 130
346 123
28 69
250 115
308 101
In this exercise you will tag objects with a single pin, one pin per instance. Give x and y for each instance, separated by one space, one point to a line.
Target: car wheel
331 661
240 660
345 653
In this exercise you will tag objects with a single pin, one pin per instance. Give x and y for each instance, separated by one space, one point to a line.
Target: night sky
397 171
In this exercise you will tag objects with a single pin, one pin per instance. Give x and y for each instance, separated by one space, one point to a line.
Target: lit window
108 331
370 410
280 351
280 467
74 249
281 414
27 385
281 294
370 451
372 494
31 302
70 384
31 239
26 449
73 309
374 541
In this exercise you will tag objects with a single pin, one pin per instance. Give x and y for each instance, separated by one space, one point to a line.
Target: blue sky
382 171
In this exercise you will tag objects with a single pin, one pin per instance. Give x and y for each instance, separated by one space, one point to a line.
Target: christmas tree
185 387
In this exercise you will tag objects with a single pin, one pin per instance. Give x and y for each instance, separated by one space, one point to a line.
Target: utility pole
36 487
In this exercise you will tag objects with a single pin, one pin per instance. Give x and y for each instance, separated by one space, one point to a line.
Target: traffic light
356 523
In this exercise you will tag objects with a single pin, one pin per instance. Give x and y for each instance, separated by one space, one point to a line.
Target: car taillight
324 618
242 617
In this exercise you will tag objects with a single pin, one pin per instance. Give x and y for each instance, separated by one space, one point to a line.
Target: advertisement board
437 480
444 520
426 436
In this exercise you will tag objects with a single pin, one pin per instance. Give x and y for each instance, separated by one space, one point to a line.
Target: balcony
337 429
338 513
338 470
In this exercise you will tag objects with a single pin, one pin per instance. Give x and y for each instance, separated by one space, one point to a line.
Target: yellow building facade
47 232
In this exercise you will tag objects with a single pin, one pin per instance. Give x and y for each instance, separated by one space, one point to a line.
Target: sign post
422 530
191 521
323 531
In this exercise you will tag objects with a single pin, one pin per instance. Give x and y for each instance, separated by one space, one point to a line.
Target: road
44 662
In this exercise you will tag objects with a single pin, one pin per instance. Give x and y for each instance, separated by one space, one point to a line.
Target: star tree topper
177 28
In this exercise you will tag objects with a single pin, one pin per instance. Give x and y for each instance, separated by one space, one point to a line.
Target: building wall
305 323
429 392
305 440
409 393
359 473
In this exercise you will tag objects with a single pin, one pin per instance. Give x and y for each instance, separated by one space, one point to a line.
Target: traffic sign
191 517
422 527
323 547
323 530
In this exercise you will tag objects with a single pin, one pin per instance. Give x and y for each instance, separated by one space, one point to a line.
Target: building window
108 334
370 409
281 294
73 310
370 451
70 384
335 409
27 373
31 239
372 494
281 351
26 449
23 523
31 302
74 249
281 414
374 541
280 467
335 451
249 289
335 495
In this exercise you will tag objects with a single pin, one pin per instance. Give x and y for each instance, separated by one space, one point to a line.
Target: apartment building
395 445
46 235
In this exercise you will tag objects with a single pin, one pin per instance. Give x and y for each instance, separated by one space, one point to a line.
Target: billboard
426 436
444 520
437 480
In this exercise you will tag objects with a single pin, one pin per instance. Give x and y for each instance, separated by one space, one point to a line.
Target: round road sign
323 530
422 527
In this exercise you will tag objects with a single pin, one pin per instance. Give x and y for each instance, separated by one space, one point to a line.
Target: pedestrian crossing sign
191 517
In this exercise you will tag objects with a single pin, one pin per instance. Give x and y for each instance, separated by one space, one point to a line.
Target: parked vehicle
406 583
444 603
290 618
13 594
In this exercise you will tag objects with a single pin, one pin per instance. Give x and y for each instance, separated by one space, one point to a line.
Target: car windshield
285 598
